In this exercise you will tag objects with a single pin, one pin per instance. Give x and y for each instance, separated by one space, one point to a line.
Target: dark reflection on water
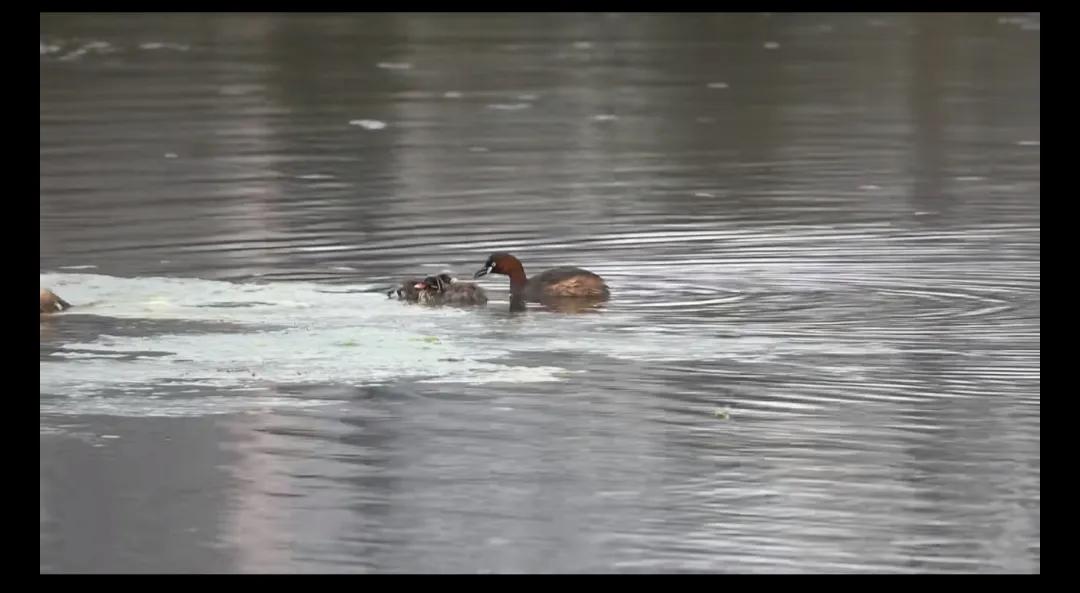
821 232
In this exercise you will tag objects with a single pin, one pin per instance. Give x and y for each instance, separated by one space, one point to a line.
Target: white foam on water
85 48
508 106
158 45
271 334
368 124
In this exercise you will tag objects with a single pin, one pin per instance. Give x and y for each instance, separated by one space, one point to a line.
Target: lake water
821 232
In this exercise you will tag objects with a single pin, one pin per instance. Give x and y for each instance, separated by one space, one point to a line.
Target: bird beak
484 271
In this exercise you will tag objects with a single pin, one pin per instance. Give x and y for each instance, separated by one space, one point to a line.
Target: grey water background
821 232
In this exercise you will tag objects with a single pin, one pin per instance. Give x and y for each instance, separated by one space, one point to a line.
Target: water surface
821 232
